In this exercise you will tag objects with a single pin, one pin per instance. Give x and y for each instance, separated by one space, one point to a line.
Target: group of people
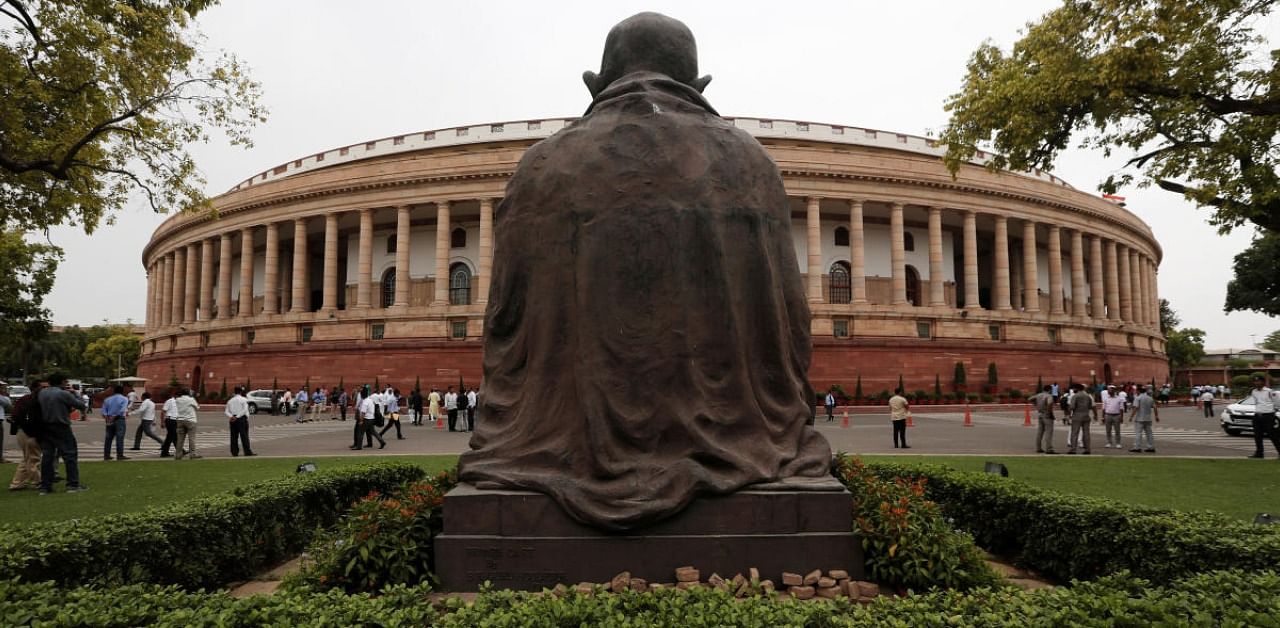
1080 410
374 410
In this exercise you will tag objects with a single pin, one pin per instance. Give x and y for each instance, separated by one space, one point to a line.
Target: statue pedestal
523 540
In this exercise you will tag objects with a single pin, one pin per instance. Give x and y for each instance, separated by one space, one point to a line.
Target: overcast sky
337 73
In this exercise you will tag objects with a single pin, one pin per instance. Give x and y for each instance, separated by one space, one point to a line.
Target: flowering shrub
385 539
906 541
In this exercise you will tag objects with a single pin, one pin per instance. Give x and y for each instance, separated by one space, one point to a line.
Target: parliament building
372 262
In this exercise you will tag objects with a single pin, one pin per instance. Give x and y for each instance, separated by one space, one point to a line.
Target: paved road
1182 432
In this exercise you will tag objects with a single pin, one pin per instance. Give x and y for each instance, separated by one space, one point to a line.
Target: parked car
18 391
260 399
1237 418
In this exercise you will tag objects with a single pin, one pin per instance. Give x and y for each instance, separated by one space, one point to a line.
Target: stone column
814 222
971 300
1078 303
179 285
246 272
402 256
1096 292
1152 281
897 255
191 284
1111 278
1055 270
486 251
1016 284
224 276
329 300
937 296
1139 289
164 299
206 279
364 267
442 254
271 271
301 286
1126 283
1030 276
857 256
151 294
1001 271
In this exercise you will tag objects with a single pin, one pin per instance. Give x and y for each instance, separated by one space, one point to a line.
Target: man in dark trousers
56 437
170 409
237 411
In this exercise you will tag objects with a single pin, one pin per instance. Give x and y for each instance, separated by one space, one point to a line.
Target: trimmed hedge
203 542
1076 537
1233 598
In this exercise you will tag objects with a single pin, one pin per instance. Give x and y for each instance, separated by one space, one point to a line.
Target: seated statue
647 333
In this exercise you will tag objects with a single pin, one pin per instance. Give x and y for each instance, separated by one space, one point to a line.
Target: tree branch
1266 215
1268 106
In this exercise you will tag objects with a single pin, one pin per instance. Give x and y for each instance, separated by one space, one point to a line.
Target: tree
1255 285
1188 87
100 100
1185 348
1272 341
115 355
1169 319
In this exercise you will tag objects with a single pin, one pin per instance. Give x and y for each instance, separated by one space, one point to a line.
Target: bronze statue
647 335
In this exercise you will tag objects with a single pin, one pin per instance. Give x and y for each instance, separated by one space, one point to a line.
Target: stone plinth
523 540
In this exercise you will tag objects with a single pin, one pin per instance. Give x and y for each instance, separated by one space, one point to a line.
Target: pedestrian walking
368 415
6 405
26 431
146 412
56 437
170 409
237 411
433 405
1112 415
1044 403
114 410
186 422
415 402
1144 412
1265 402
342 404
393 413
472 397
899 410
1206 400
451 408
1082 413
286 402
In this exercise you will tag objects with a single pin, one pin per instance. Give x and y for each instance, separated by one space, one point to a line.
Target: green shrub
1075 537
384 539
202 542
905 540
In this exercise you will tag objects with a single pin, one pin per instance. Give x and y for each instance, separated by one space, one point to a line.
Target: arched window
908 241
391 243
459 285
389 287
842 236
840 289
458 238
913 286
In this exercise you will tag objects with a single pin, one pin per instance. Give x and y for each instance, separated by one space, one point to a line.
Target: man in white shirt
146 411
471 410
451 408
1264 415
185 418
237 412
1112 414
1206 399
170 409
368 409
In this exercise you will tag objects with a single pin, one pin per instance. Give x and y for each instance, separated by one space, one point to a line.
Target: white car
1237 418
18 391
259 400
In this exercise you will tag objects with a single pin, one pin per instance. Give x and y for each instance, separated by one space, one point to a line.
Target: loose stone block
825 582
838 574
685 586
766 586
753 574
830 593
802 592
792 579
811 578
620 582
687 574
639 585
867 589
716 581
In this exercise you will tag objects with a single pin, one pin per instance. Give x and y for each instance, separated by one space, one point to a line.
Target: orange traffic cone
968 417
844 422
910 422
1026 414
440 423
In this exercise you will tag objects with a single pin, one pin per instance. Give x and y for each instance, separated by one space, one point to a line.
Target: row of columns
1124 291
180 292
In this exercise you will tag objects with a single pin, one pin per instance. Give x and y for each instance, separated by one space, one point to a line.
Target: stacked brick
813 585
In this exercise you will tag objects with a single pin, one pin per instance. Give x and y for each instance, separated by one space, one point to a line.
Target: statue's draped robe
647 336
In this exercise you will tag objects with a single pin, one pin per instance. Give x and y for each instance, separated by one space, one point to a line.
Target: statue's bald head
648 42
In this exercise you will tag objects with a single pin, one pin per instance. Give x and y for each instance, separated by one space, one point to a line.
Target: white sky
338 73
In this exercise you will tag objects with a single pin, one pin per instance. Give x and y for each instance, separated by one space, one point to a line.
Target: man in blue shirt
114 409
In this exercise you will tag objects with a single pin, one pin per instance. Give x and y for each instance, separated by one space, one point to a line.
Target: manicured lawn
1239 488
126 487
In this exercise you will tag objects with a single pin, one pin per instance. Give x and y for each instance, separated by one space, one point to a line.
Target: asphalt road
1182 432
